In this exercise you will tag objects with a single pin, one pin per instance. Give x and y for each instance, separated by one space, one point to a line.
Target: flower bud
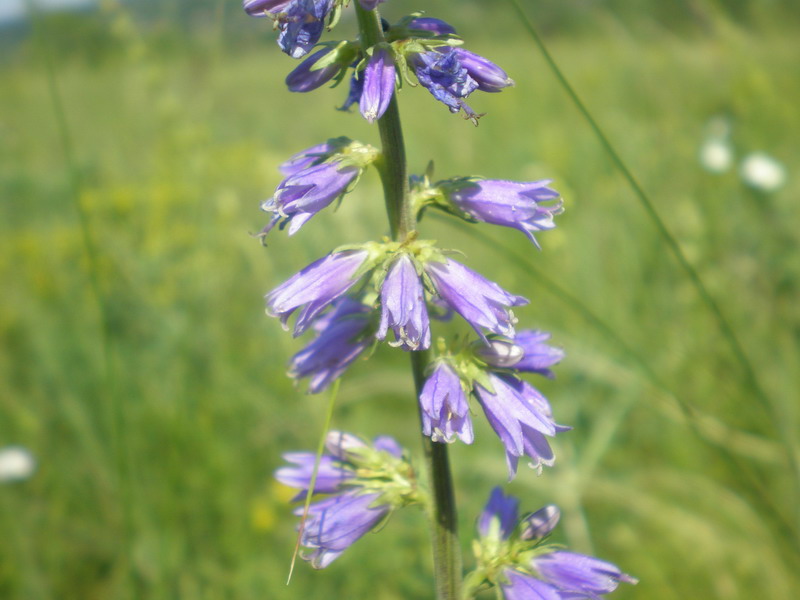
341 443
435 26
540 523
500 354
489 77
379 81
309 75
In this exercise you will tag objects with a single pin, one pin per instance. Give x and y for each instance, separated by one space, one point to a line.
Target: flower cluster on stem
393 289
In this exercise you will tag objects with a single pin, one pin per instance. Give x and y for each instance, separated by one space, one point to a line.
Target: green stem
402 222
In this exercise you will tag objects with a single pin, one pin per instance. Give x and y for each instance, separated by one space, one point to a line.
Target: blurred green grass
155 453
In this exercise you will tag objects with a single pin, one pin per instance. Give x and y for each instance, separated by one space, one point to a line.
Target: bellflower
379 82
331 475
443 75
482 303
499 516
403 306
301 25
342 335
313 155
362 482
521 586
488 76
521 417
315 287
527 352
335 523
526 206
435 26
514 556
264 8
307 76
577 575
355 91
307 191
444 407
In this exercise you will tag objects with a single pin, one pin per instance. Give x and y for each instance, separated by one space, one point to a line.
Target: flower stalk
402 222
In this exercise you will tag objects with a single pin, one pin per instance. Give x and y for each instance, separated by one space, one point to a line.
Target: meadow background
136 363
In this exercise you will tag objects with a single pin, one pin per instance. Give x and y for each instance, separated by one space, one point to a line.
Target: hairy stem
402 221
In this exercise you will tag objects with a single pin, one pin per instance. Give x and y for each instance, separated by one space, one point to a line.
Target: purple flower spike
307 191
445 411
335 523
330 476
403 307
499 517
521 417
370 4
435 26
481 302
305 77
315 287
507 203
263 8
524 587
580 574
489 77
379 81
342 335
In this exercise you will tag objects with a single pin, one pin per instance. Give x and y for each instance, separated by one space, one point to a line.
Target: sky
12 10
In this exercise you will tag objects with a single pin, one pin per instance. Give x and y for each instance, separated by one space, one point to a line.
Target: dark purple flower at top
579 574
307 191
331 475
337 522
499 517
403 306
521 417
522 586
370 4
379 81
489 77
435 26
481 302
526 206
263 8
443 75
342 335
305 78
315 287
444 406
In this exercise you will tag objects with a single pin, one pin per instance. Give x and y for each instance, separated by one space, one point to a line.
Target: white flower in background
16 464
716 152
716 155
762 172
